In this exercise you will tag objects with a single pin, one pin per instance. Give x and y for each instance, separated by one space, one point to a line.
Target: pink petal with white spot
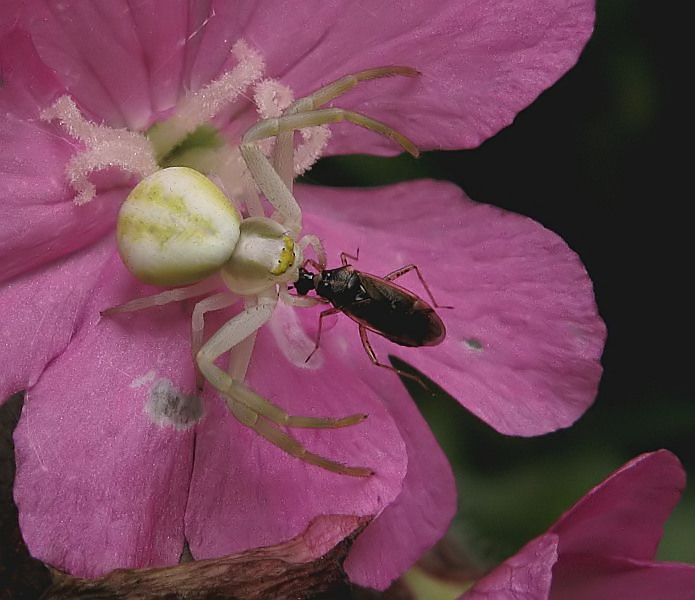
38 220
246 492
99 485
41 311
523 337
525 576
421 514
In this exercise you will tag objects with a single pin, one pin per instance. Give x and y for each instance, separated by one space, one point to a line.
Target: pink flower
100 483
604 546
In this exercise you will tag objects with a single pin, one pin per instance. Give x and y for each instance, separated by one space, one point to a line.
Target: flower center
195 135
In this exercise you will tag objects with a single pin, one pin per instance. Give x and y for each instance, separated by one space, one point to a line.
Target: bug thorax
341 286
265 254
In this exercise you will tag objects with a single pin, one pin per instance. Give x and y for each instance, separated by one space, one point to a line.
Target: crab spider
177 228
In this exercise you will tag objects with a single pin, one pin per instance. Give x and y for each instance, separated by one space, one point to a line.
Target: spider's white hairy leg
269 182
316 244
235 330
337 88
240 357
323 116
236 392
275 179
292 446
299 301
211 303
167 297
229 335
283 157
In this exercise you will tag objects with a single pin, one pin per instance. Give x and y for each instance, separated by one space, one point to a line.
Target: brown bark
259 574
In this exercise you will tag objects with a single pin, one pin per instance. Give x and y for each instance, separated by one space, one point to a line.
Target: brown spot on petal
169 406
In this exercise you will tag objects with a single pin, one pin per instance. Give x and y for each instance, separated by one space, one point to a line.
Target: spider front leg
275 181
256 412
284 144
267 178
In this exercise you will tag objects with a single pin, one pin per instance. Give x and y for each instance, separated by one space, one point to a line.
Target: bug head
305 282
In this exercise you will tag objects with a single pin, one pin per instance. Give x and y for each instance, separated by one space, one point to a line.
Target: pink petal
41 312
121 60
38 220
604 543
28 86
322 535
525 576
624 515
37 234
99 485
421 514
246 493
11 11
524 337
481 61
608 578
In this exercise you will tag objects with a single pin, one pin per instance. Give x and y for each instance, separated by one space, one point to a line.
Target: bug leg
344 256
411 267
372 356
325 313
289 444
317 265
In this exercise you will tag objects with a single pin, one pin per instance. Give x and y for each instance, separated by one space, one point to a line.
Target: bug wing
396 313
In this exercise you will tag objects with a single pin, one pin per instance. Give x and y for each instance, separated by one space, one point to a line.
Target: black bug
375 304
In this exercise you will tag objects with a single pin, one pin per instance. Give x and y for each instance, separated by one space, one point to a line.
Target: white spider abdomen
176 227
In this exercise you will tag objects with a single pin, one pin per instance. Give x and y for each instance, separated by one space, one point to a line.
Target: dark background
600 159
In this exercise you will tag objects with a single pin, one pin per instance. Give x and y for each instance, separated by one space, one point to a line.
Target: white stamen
199 107
105 147
307 153
272 98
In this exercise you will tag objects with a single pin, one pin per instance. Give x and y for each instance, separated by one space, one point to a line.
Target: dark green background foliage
598 159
